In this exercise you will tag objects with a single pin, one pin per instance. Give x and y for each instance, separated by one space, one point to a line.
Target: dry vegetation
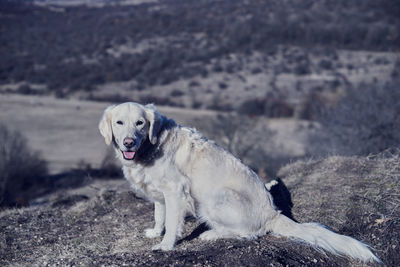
103 223
160 44
22 172
354 195
365 120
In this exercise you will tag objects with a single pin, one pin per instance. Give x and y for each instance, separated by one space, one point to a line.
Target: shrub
256 70
222 86
20 168
325 64
302 68
366 120
25 89
177 93
194 84
269 106
252 107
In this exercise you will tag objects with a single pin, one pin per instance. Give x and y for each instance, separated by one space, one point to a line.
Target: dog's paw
163 246
152 232
209 235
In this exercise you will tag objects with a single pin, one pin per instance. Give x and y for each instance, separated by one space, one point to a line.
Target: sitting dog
182 172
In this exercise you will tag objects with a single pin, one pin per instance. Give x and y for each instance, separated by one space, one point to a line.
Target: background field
313 84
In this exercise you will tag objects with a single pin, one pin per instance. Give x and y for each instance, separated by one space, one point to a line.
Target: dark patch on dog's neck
148 153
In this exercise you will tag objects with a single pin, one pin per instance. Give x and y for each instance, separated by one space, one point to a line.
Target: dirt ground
102 222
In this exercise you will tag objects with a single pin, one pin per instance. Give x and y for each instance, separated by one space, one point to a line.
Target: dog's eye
138 123
120 123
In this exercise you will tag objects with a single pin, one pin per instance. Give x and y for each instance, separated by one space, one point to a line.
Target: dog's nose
129 142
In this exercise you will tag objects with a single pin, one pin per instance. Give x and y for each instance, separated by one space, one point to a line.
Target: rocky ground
102 222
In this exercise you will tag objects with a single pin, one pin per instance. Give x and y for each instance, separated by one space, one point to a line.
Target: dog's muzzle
129 143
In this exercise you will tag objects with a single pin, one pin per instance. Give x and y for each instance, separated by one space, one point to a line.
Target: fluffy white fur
182 172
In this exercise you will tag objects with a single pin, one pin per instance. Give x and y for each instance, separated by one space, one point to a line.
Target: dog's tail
321 238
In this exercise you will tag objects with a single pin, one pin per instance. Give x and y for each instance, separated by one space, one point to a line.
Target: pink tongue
128 154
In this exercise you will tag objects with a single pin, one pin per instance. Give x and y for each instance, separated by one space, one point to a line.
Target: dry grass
107 229
353 195
102 223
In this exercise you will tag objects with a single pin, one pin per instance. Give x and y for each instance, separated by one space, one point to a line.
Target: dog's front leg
159 218
173 221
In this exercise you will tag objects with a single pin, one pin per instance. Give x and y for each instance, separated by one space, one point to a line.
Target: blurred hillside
199 54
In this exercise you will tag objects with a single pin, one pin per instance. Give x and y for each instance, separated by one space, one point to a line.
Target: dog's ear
156 121
105 125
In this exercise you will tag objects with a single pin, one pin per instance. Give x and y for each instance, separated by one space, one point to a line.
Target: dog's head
128 126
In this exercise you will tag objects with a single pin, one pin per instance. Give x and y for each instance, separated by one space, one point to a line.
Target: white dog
181 171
